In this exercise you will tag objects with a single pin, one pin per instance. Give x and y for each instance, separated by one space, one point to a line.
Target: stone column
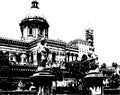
21 28
58 59
29 58
70 57
46 33
74 58
43 34
57 56
62 59
50 56
35 58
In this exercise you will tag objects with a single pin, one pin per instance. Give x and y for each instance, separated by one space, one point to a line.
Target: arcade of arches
28 58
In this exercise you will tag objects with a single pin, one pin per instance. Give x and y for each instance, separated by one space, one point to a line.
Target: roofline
28 45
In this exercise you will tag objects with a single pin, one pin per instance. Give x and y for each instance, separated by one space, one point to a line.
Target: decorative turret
35 4
34 25
90 39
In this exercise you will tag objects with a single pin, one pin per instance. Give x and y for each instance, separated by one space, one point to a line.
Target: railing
16 67
18 92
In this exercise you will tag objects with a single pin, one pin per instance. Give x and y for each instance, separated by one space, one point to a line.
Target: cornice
28 45
13 43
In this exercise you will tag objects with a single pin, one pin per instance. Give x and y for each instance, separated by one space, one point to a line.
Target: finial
35 4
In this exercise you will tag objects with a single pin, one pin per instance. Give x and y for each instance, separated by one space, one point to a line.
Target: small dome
34 11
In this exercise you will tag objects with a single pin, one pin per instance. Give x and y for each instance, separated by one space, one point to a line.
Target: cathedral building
33 28
34 38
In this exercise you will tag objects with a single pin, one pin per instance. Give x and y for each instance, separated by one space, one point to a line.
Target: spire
34 4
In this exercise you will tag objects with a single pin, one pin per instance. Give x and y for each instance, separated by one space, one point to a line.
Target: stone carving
42 53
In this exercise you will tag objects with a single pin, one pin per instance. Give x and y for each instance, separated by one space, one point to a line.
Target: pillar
70 57
57 56
35 58
74 58
58 59
46 33
50 56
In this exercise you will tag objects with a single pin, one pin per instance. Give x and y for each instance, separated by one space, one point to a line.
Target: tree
103 66
115 65
79 69
93 64
58 74
114 80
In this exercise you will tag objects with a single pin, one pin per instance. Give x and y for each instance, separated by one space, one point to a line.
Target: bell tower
34 26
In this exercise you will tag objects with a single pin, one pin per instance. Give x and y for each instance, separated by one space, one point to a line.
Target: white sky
68 20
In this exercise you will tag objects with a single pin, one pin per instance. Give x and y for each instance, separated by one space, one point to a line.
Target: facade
30 49
33 29
84 46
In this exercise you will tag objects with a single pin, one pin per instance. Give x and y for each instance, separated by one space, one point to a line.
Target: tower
90 37
34 25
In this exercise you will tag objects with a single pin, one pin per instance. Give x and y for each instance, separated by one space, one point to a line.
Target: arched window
23 59
76 57
30 32
12 56
18 58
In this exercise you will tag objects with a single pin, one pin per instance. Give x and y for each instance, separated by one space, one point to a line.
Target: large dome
34 11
